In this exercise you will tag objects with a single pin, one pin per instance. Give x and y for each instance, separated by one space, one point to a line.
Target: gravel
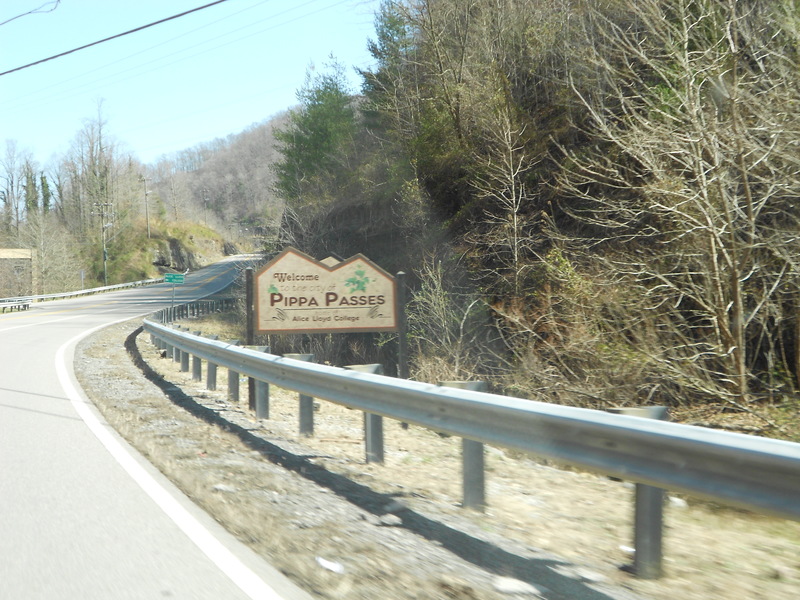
344 528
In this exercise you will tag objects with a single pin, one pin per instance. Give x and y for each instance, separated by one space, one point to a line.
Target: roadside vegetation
595 200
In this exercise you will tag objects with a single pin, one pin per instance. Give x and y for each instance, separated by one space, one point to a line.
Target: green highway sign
174 278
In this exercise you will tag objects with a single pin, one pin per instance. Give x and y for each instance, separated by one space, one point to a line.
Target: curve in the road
72 524
250 583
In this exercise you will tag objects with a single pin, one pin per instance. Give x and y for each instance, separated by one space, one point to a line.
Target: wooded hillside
97 215
598 198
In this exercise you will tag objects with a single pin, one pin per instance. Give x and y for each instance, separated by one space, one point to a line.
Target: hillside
596 202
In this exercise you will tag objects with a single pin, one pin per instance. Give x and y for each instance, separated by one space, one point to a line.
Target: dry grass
710 552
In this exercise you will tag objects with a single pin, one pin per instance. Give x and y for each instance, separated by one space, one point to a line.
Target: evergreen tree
47 196
318 142
31 189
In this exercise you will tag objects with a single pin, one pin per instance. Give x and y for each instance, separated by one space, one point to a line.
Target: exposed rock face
161 259
174 254
181 258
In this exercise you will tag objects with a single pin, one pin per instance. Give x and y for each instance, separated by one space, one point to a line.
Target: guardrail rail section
24 303
13 304
758 474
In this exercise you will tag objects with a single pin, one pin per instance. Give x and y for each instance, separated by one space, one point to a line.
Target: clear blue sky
172 86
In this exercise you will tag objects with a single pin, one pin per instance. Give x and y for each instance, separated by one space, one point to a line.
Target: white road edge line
247 580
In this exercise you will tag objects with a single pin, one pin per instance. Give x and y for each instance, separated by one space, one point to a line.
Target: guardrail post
472 460
648 517
211 376
176 353
211 372
233 381
181 356
197 368
262 399
261 391
373 424
233 386
306 402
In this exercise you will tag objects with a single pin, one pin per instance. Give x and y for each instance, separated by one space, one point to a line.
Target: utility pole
104 213
146 205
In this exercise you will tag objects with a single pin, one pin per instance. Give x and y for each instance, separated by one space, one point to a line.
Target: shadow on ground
540 572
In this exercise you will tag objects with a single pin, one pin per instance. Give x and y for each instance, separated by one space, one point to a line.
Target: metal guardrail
15 303
86 292
195 309
755 473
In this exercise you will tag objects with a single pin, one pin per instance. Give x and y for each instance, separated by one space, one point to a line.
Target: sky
172 86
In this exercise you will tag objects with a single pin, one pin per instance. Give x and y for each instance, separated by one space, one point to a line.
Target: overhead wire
231 102
183 115
113 37
34 11
129 74
228 34
126 74
55 85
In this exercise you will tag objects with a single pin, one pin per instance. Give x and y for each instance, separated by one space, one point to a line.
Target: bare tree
56 260
447 326
696 172
12 187
501 184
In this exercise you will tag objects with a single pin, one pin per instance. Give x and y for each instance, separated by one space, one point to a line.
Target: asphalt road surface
82 514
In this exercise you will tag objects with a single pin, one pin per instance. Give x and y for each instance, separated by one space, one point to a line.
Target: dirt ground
344 528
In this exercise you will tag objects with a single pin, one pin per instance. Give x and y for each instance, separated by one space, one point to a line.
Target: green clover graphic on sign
358 283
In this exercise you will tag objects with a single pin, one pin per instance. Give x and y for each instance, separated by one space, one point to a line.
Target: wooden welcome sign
296 294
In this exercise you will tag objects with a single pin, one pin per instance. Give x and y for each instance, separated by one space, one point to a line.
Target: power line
22 98
131 72
113 37
34 11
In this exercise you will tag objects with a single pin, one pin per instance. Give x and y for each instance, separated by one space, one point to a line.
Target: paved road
82 515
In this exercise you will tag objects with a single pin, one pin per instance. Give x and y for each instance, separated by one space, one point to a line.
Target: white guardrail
759 474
